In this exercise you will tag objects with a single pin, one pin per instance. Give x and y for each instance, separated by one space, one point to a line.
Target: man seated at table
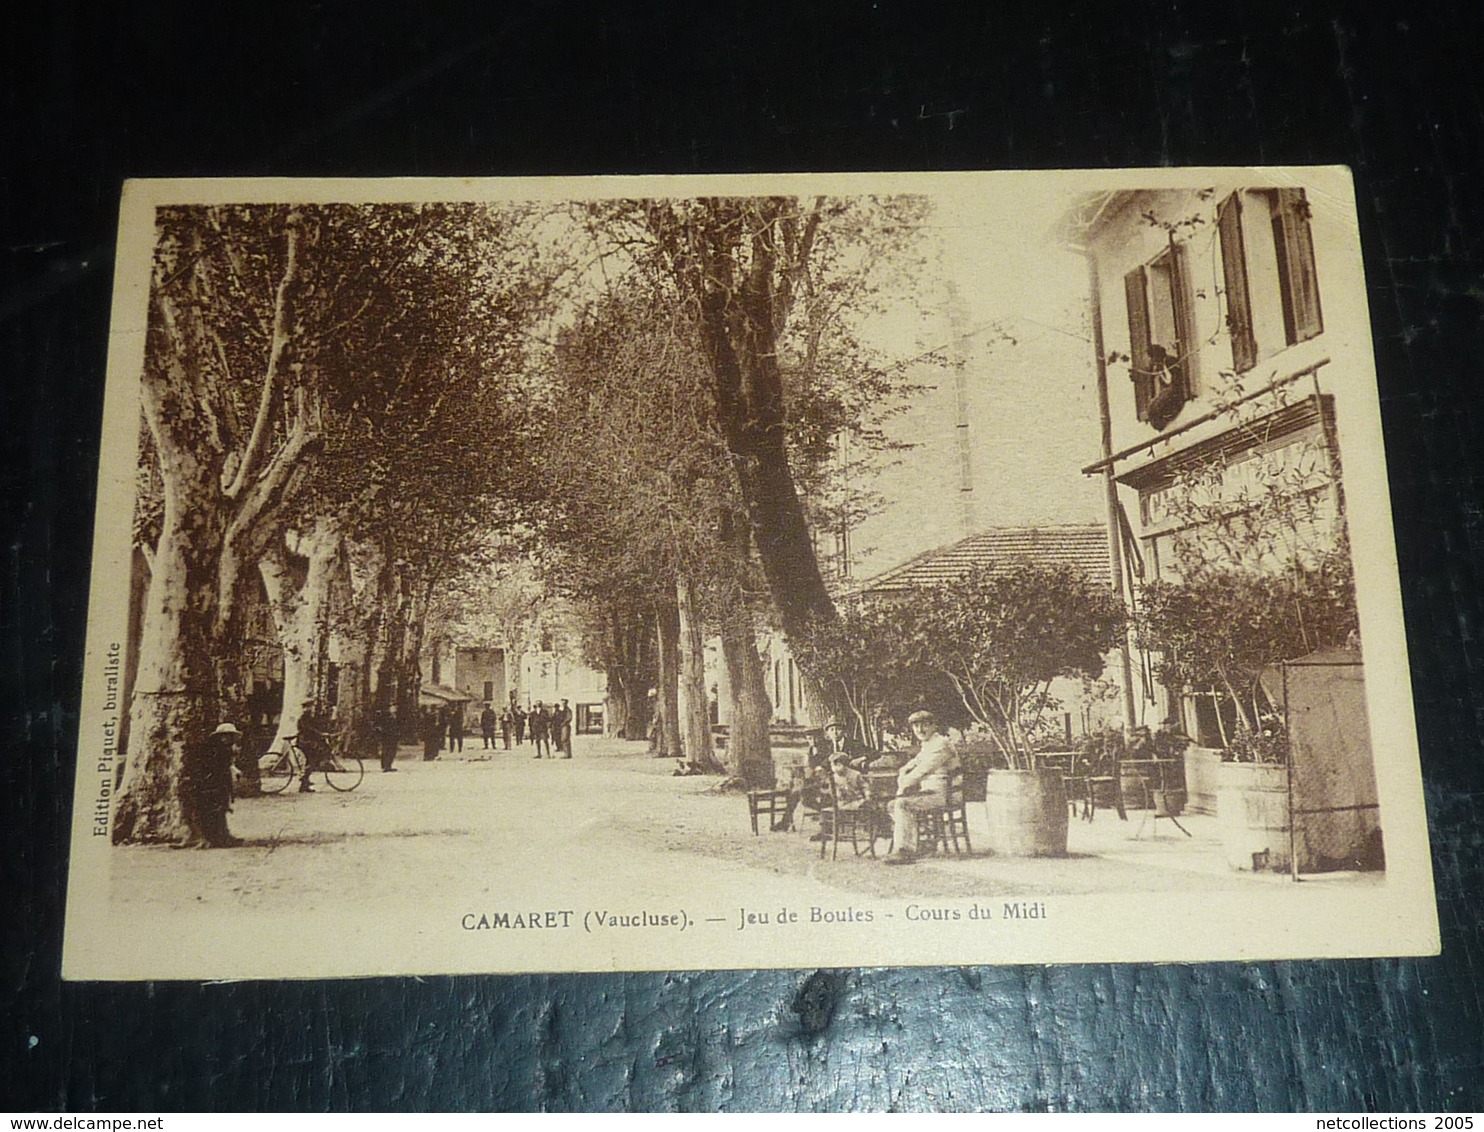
835 740
808 784
810 787
922 784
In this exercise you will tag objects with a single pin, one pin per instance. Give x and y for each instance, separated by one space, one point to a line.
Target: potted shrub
1000 637
1216 632
1202 769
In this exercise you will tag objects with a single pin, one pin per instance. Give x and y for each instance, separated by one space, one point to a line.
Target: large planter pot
1202 775
1252 814
1027 813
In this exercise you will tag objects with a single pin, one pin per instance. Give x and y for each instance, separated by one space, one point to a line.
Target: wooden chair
1079 796
1074 782
1103 787
772 804
948 825
840 821
856 822
1105 790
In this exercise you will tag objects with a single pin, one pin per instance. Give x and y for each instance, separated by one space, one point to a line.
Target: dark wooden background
92 93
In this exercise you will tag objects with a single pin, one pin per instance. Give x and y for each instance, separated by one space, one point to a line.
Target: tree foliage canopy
867 658
426 426
775 289
1002 635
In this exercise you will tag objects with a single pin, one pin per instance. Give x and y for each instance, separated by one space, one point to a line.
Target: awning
1282 417
436 695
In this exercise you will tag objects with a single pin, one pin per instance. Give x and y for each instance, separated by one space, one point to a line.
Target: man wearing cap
922 784
206 788
540 724
837 740
388 732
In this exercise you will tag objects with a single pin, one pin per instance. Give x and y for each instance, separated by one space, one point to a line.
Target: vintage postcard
730 572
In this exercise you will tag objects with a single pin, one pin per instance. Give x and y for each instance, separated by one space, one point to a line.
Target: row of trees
327 390
696 402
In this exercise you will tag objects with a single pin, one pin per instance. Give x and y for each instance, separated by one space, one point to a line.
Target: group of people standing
206 786
549 728
443 728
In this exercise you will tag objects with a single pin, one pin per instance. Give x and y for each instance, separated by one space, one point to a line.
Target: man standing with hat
922 784
206 788
540 724
388 732
561 729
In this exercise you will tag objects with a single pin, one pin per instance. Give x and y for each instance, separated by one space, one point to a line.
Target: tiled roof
1084 547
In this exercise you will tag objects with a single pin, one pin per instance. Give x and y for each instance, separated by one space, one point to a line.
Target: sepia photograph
719 572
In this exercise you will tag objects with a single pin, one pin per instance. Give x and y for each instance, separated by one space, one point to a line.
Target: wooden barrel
1027 814
1202 772
1252 814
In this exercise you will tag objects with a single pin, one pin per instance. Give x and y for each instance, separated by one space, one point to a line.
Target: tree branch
285 318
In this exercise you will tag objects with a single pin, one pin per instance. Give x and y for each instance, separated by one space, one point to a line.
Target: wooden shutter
1136 294
1238 294
1298 280
1184 323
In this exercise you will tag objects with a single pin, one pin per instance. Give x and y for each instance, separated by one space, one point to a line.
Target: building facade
551 677
1225 370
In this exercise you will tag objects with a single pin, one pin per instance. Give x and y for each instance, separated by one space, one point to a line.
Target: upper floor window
1298 281
1160 339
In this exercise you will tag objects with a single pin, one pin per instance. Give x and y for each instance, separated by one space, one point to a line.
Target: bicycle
341 772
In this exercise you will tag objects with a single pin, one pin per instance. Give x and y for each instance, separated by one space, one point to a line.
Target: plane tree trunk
175 690
752 712
694 705
297 574
628 662
667 707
